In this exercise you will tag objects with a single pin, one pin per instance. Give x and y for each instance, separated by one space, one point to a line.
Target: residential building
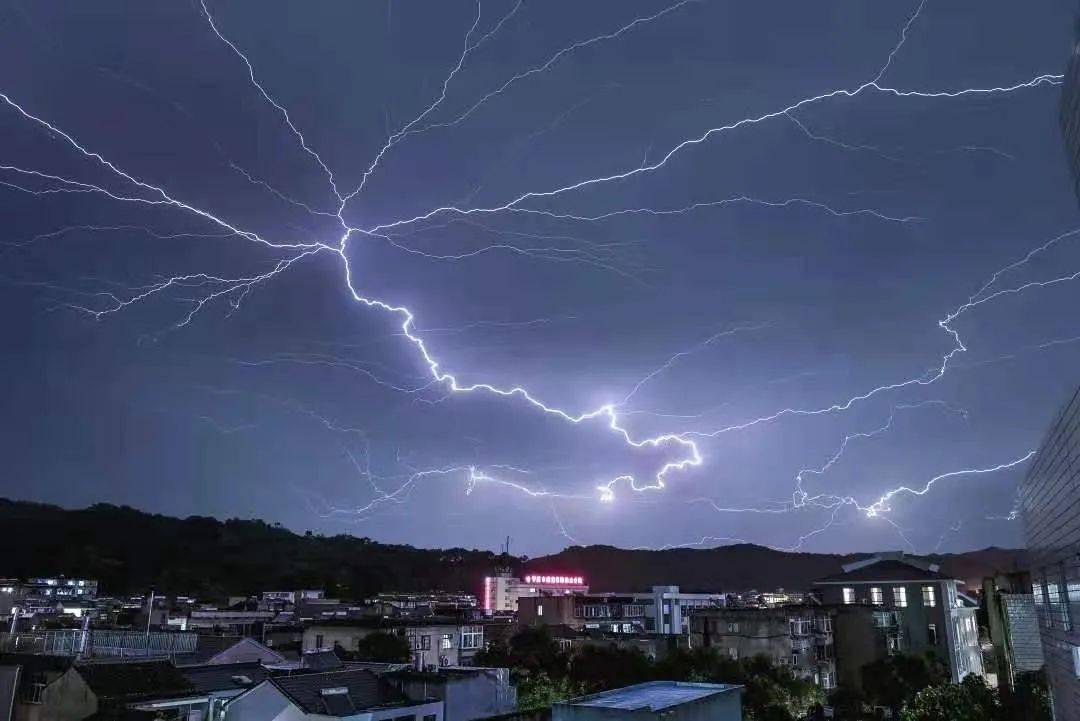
467 693
432 603
502 591
240 623
220 683
55 689
1013 626
224 650
352 695
1069 111
667 700
610 613
799 637
663 610
272 598
1050 506
434 641
921 609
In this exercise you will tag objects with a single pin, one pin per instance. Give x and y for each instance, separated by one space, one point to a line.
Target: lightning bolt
688 454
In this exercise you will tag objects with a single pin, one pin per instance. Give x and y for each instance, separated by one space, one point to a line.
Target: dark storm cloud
793 263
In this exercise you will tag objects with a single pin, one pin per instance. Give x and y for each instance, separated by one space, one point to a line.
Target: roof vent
335 691
242 680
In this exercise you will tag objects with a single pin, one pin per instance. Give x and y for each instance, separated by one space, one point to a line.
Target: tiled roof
225 677
338 693
885 571
134 680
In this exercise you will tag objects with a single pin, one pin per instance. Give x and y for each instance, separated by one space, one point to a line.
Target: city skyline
650 274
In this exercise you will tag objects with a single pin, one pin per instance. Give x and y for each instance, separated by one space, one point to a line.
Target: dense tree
970 700
1029 699
597 668
540 691
772 693
530 651
383 646
894 680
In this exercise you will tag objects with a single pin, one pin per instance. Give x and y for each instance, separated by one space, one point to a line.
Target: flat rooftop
654 696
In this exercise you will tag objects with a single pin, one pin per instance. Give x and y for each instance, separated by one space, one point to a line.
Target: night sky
723 251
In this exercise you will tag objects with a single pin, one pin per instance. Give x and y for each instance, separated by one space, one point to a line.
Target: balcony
802 643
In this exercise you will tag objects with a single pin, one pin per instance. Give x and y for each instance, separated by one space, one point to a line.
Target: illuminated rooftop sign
561 580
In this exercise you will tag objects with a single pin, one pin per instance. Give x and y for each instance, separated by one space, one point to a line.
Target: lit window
733 628
540 610
733 653
928 598
849 596
900 596
931 631
446 641
876 596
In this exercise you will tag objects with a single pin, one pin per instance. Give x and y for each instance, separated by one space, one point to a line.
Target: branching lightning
683 447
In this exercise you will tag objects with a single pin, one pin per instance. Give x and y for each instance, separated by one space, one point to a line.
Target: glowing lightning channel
607 412
266 96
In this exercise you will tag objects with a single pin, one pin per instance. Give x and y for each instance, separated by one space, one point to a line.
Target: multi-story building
1069 112
434 641
663 610
609 612
45 596
413 603
799 637
921 608
1050 505
501 592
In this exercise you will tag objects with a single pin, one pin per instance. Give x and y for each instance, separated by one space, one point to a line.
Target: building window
540 610
929 599
318 640
472 637
931 632
733 653
447 641
899 594
827 680
876 596
794 659
732 628
425 642
849 595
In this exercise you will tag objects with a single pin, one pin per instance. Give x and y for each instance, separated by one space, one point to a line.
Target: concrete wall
262 703
465 697
68 698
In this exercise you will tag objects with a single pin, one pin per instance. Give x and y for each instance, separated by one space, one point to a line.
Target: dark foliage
895 680
129 551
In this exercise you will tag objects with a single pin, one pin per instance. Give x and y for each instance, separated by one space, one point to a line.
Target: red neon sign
559 580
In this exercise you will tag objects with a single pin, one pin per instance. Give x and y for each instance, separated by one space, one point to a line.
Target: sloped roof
885 571
134 680
225 676
320 661
338 693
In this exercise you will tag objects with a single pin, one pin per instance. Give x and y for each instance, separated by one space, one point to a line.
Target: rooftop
339 693
225 676
885 571
653 696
